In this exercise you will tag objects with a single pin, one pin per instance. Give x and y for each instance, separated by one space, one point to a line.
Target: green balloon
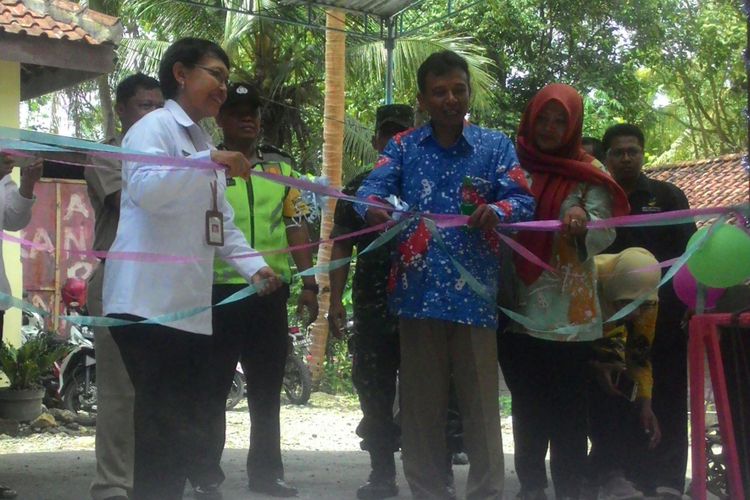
724 259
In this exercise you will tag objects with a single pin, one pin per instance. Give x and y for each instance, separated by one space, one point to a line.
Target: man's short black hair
622 130
439 64
188 51
128 87
596 147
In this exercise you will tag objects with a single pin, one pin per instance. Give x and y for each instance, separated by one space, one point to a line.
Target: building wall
10 97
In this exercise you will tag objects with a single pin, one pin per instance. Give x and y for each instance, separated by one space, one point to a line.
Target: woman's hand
235 162
574 221
265 280
650 424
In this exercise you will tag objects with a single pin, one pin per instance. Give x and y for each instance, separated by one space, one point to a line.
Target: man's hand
376 216
484 218
650 424
236 163
336 318
574 221
308 301
272 281
605 374
30 175
6 164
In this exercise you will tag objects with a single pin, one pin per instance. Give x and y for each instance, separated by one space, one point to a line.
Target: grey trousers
430 351
115 396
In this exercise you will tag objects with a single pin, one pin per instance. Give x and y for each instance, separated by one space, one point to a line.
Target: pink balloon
686 288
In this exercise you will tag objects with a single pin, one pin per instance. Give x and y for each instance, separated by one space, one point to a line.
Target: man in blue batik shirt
448 167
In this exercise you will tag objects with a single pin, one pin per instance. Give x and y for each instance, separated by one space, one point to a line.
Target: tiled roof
58 19
714 182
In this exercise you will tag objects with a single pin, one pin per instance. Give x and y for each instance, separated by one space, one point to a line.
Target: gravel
326 423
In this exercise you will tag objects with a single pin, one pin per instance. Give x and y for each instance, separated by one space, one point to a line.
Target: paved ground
328 475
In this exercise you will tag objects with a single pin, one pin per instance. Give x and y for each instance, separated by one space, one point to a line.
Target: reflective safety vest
258 206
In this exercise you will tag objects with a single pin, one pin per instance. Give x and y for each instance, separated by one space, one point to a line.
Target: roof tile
715 182
58 19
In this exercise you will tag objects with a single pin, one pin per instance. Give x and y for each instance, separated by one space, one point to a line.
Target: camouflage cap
400 114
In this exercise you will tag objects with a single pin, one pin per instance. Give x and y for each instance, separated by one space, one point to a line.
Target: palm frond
237 27
141 54
358 150
368 61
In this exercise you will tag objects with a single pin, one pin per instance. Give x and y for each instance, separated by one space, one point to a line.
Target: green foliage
673 67
506 405
25 366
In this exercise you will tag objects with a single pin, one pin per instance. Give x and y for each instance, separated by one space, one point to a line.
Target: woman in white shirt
183 213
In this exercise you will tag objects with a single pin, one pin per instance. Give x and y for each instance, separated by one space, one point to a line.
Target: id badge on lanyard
214 220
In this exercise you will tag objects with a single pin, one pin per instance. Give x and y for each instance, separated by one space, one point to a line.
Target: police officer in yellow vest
254 330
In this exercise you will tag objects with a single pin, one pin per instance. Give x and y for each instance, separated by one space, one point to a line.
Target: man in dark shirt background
663 469
375 343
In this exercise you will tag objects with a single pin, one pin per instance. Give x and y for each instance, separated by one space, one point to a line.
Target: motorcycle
297 384
78 388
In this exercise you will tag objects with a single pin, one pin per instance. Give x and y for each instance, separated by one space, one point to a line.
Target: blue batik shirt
481 167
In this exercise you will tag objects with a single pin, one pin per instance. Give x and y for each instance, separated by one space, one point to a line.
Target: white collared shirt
164 212
15 214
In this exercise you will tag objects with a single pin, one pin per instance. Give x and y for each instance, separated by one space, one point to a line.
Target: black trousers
162 363
375 362
547 381
253 331
666 464
617 439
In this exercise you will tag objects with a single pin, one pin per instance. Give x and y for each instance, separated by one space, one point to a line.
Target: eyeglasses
217 74
620 153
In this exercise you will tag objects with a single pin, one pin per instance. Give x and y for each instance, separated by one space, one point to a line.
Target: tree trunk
333 143
108 112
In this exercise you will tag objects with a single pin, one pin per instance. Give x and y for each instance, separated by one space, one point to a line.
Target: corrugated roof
58 19
380 8
713 182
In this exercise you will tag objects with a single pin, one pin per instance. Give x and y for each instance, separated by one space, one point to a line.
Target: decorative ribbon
15 141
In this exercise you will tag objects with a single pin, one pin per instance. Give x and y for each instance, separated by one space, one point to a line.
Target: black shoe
378 488
210 492
460 458
273 487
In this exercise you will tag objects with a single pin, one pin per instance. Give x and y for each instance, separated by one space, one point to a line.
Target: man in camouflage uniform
375 342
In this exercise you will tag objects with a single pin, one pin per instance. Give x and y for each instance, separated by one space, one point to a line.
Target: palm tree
333 133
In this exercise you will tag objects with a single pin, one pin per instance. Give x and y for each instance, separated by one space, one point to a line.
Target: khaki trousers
430 351
115 396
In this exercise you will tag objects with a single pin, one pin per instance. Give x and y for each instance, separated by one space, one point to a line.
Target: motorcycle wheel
297 381
75 397
716 471
237 392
